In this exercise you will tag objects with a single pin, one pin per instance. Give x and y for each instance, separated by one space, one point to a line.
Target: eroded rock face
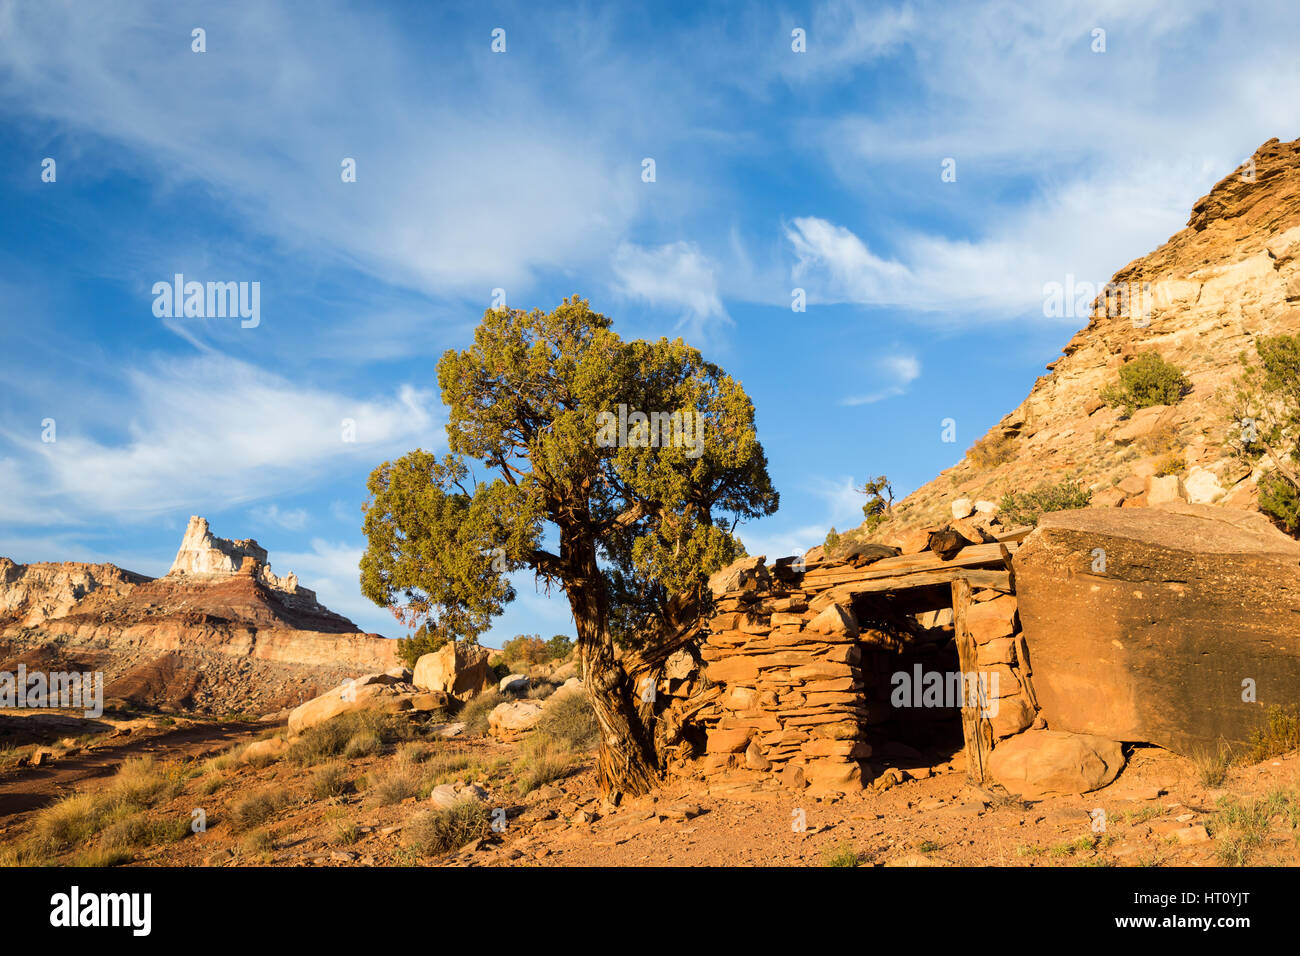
219 634
1151 624
33 593
201 552
1200 300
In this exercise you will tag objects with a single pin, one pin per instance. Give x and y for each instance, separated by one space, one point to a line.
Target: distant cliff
219 633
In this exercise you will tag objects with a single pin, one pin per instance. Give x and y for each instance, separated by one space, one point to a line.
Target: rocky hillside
219 633
1199 300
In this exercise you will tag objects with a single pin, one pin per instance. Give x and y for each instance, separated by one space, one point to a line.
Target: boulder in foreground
1040 762
1175 626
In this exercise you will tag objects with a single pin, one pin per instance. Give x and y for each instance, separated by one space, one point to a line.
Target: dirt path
29 788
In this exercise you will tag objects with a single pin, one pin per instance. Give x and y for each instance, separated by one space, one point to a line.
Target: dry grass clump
330 780
541 761
114 814
570 720
255 809
440 831
353 734
1211 766
1280 734
394 784
475 712
992 450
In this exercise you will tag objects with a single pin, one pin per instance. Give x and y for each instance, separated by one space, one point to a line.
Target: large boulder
514 717
382 697
457 668
1040 762
1175 626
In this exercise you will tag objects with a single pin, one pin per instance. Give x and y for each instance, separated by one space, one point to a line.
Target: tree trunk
628 763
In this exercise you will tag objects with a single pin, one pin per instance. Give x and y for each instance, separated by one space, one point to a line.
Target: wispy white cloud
294 519
895 373
675 276
208 432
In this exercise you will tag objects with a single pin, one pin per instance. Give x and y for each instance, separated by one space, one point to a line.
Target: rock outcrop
1199 300
1175 626
219 633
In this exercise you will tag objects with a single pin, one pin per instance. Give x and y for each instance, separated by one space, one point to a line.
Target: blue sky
522 170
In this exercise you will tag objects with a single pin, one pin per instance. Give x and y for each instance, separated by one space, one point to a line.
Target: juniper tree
629 529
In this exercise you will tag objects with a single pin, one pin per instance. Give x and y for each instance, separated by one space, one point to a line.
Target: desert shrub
475 712
346 832
1146 380
559 647
330 780
137 831
832 540
257 843
995 448
364 743
443 830
424 641
570 720
77 819
256 809
540 688
525 650
1025 507
1163 439
1263 407
1280 499
1169 465
1280 734
1212 766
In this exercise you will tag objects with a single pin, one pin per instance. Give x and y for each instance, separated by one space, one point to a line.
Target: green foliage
424 641
1280 499
832 540
1025 507
841 855
527 401
880 500
1264 409
524 650
1146 380
559 647
538 401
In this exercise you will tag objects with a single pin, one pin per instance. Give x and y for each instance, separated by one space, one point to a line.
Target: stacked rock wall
812 689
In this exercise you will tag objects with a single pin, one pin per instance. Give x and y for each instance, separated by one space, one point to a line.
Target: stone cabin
1032 655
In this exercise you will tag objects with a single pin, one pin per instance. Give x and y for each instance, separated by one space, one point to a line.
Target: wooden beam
974 726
